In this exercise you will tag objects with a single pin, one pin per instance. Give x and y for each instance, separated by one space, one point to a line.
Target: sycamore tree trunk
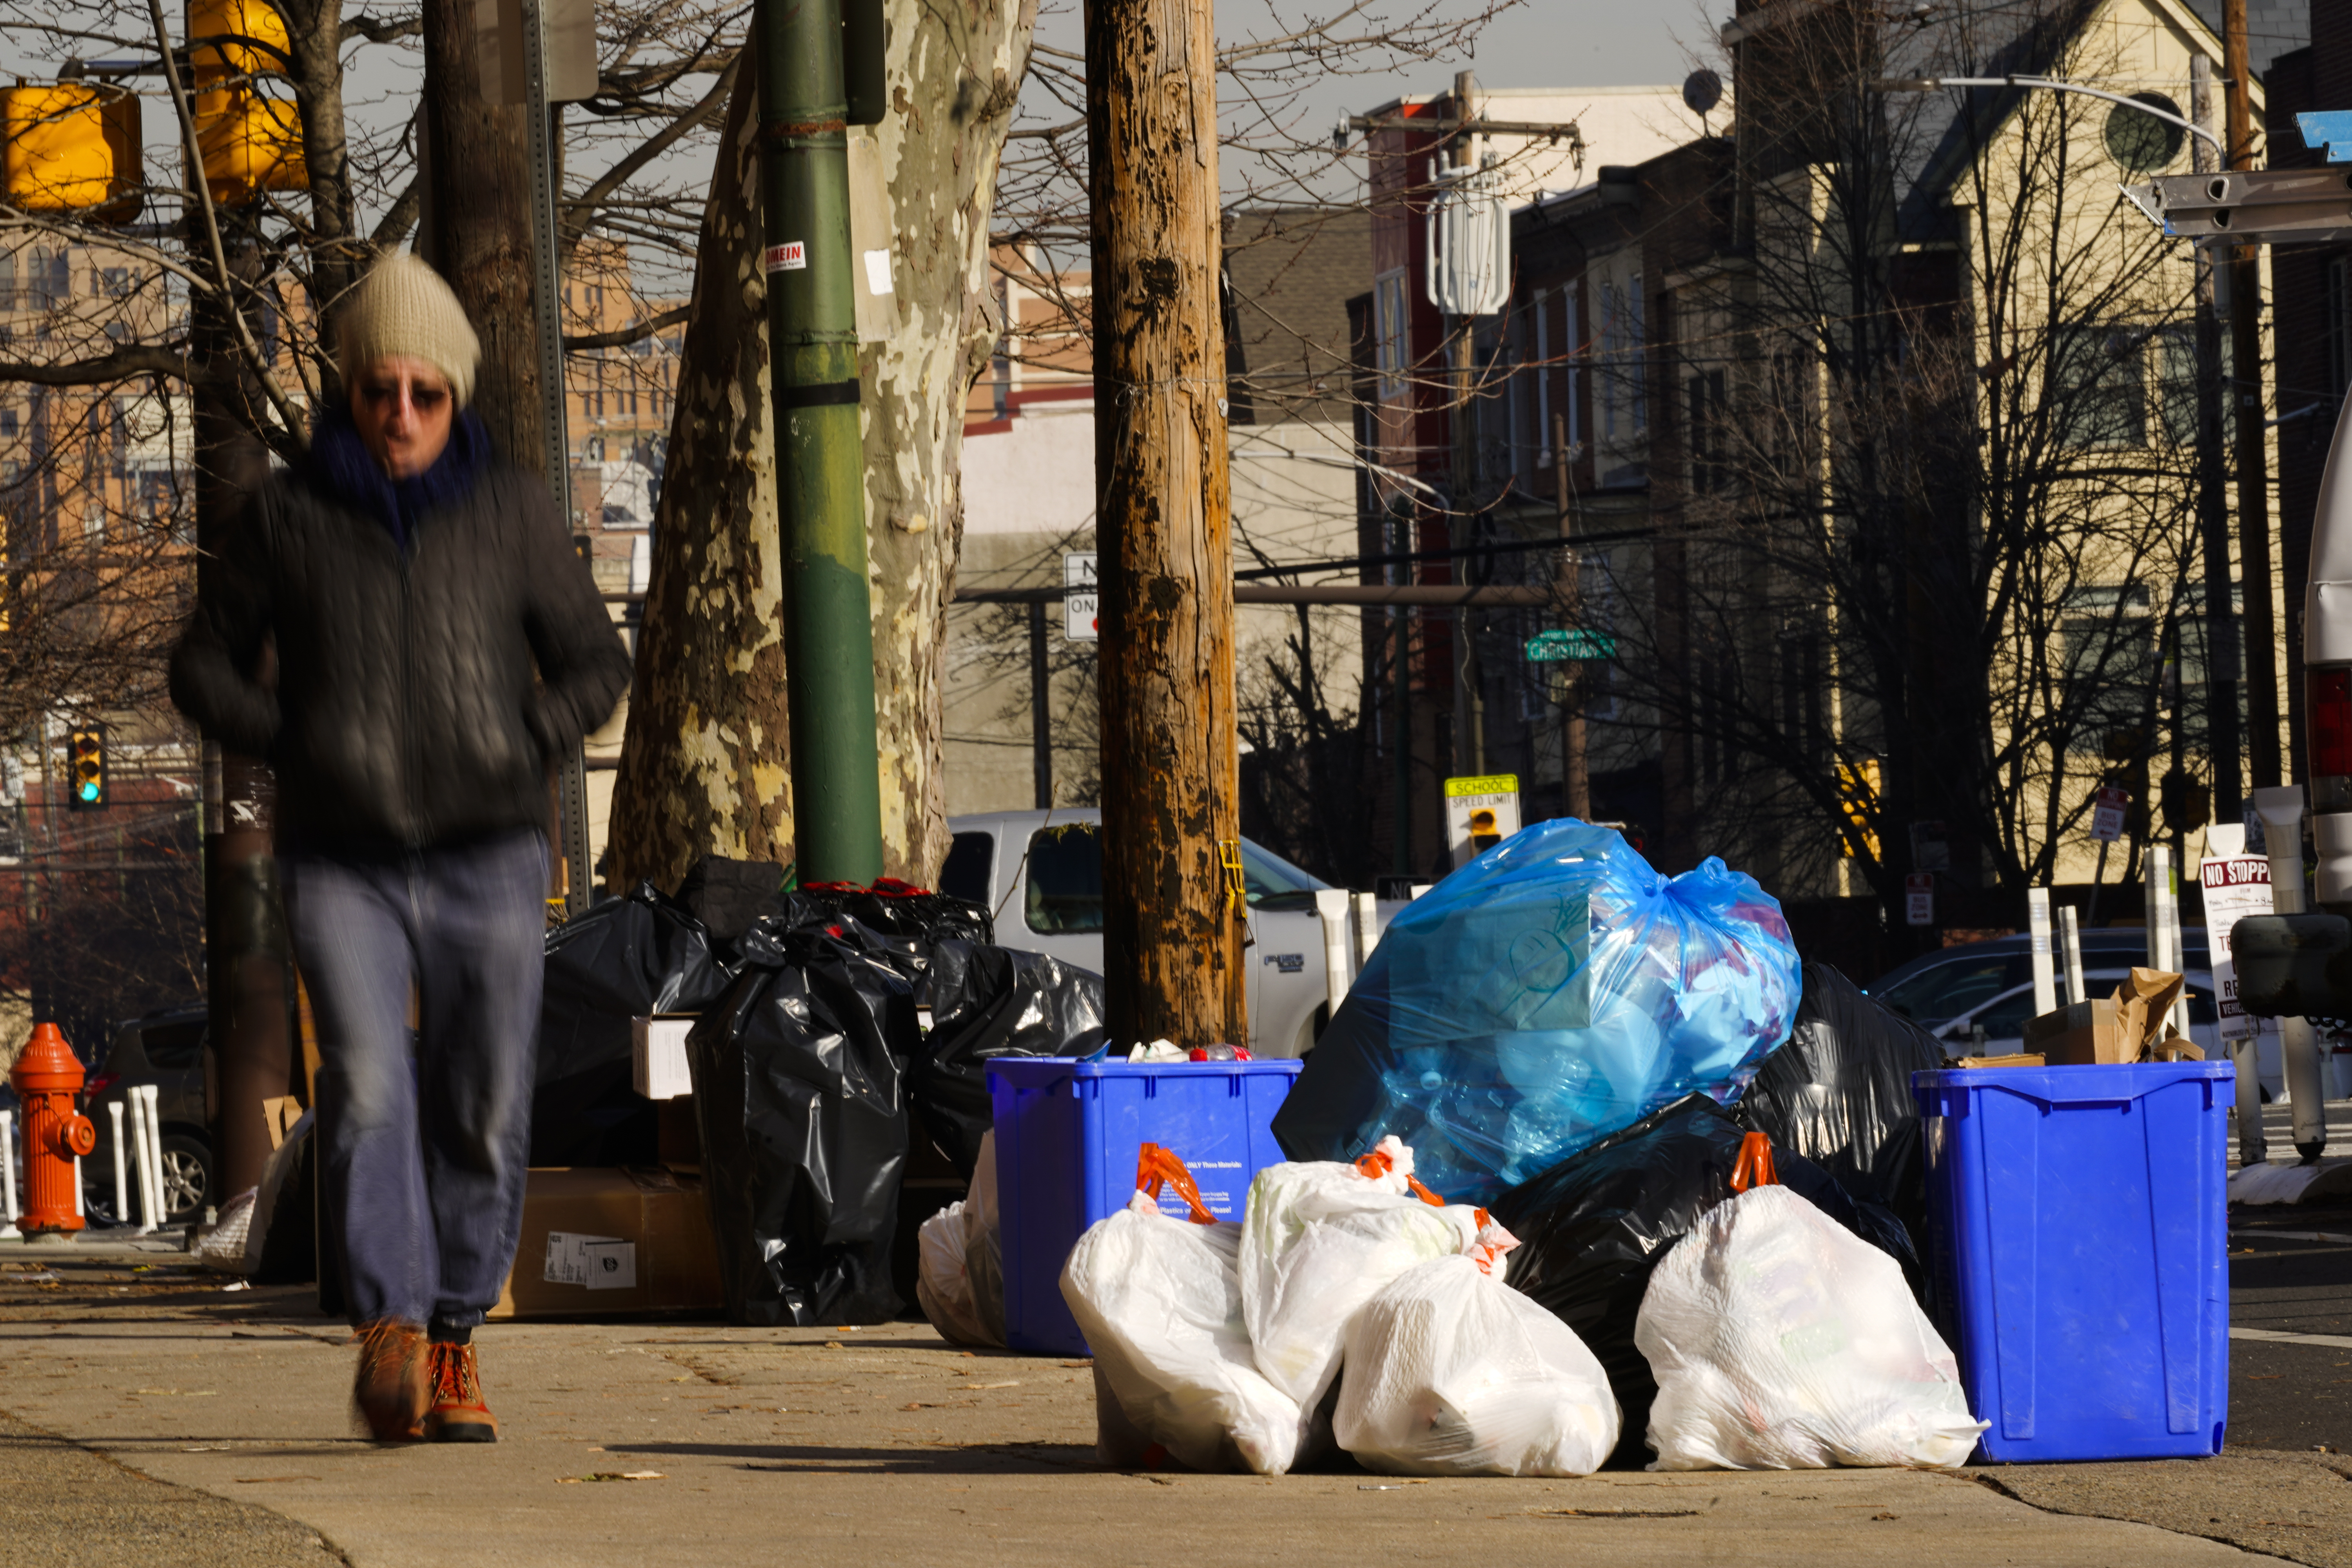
706 767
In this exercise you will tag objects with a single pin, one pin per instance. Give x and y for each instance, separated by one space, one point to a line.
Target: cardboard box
2134 1025
657 1067
2080 1033
602 1242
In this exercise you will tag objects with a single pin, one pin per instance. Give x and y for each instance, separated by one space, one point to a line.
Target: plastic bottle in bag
1781 1341
1555 990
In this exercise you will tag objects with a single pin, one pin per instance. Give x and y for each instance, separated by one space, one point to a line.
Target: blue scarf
341 466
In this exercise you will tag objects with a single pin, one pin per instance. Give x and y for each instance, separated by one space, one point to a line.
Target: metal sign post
543 120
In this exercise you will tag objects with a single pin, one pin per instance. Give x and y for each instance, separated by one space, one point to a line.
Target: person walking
400 626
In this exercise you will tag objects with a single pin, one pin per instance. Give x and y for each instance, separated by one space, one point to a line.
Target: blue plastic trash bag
1552 991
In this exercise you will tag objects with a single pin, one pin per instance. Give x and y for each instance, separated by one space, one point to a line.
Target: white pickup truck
1040 874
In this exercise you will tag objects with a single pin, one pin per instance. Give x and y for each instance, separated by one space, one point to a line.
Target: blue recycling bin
2080 1227
1067 1133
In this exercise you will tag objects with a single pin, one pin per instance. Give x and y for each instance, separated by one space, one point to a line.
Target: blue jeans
424 1140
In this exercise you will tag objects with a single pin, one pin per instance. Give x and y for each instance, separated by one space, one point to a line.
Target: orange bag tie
1755 1166
1155 1165
1377 1164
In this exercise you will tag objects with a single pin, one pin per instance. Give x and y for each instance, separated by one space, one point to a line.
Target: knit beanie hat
402 307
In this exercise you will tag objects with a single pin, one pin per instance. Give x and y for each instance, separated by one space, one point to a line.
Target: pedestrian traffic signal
86 768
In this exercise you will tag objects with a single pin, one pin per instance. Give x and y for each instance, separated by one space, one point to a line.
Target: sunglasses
424 396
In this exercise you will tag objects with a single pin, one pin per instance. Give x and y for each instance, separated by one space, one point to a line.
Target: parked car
166 1049
1989 985
1040 874
1936 987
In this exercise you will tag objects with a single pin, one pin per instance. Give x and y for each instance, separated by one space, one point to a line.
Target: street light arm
1929 84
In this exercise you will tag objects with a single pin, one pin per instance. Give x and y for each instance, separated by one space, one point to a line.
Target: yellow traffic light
86 768
235 37
251 143
73 147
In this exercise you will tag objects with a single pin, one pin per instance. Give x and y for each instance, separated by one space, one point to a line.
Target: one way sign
1078 596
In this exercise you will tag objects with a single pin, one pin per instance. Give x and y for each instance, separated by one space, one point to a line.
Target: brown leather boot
457 1414
389 1391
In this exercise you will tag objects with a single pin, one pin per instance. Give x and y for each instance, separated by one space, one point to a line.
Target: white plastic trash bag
1159 1303
960 1274
1319 1240
1781 1341
1450 1372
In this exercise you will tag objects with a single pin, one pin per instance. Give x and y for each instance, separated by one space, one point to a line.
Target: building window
2175 386
1389 338
7 421
116 282
1624 340
2098 378
1709 466
2109 640
1803 687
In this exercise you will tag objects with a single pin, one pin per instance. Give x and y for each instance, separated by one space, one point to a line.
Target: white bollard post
122 1171
2070 942
153 1096
2282 813
8 1174
2045 975
146 1225
1331 909
1368 928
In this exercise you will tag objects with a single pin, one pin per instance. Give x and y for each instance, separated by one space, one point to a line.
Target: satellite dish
1701 90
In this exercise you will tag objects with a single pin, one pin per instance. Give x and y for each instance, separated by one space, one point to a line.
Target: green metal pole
820 458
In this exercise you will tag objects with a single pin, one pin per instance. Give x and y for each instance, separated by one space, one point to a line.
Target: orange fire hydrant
47 1076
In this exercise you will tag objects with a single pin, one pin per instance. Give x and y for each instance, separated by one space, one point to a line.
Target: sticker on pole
1480 813
1920 898
2107 814
1080 602
790 256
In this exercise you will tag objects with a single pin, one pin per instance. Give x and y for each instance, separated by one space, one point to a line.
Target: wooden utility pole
479 198
1173 906
2252 429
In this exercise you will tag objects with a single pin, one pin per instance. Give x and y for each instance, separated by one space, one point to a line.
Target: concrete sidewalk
645 1443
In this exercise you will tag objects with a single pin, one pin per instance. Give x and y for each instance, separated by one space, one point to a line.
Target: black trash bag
1593 1228
799 1075
989 1002
624 958
727 896
1839 1093
897 918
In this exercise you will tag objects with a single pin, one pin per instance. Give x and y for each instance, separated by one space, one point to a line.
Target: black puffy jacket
405 711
